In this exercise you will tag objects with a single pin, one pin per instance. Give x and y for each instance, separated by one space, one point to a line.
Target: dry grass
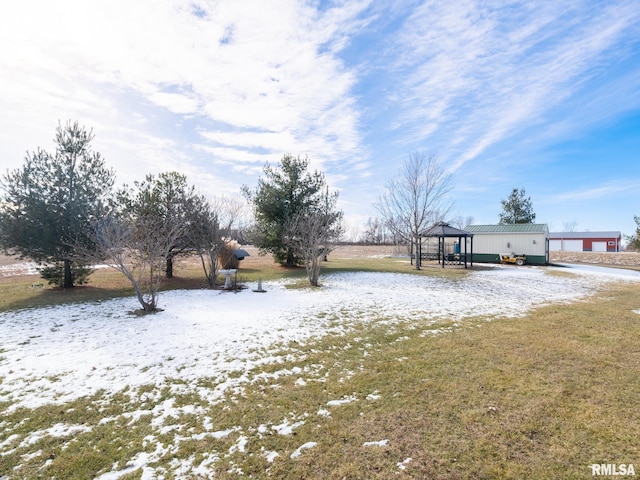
538 397
27 291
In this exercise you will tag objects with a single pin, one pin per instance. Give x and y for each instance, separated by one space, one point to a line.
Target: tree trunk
290 260
149 306
68 276
169 269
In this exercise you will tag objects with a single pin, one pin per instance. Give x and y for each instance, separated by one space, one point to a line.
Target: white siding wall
520 243
555 245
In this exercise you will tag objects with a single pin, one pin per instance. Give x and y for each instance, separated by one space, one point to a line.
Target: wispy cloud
609 189
480 73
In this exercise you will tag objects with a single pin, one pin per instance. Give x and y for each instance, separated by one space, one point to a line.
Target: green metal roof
513 228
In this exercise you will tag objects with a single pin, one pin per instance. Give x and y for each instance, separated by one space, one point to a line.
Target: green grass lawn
543 396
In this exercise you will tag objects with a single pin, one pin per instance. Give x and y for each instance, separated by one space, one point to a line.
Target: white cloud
615 188
124 66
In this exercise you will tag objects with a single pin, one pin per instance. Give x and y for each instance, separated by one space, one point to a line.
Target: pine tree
50 202
517 209
285 192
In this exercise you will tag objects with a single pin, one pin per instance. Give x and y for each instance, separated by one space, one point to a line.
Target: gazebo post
465 250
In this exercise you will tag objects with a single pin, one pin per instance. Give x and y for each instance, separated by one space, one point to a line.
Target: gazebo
442 231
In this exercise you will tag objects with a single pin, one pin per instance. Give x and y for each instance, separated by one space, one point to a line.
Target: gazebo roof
443 229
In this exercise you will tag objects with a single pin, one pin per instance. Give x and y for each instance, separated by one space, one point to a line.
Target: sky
538 95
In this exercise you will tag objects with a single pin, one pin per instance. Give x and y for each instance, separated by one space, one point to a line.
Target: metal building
585 241
492 241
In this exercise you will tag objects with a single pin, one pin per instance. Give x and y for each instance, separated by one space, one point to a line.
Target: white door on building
599 246
555 245
572 245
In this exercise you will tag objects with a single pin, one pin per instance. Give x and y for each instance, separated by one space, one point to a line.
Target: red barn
585 241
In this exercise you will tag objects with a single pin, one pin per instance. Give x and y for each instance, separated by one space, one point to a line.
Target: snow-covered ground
57 354
61 353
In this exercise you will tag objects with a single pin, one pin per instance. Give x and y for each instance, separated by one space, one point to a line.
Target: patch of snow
21 268
202 469
403 465
380 443
240 445
286 428
344 401
10 439
619 273
30 456
60 353
139 461
298 451
323 412
58 430
270 455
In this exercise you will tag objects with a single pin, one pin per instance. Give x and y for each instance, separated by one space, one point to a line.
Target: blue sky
538 95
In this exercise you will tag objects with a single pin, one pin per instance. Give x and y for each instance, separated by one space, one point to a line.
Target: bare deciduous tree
461 222
376 232
210 228
136 239
313 234
137 247
570 226
416 198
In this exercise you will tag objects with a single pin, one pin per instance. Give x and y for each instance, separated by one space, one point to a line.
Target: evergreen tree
49 203
285 192
517 209
634 240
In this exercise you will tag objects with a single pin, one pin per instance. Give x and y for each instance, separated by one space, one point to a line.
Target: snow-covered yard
58 354
64 352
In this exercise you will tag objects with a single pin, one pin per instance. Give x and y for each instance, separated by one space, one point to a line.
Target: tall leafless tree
211 224
312 234
416 198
